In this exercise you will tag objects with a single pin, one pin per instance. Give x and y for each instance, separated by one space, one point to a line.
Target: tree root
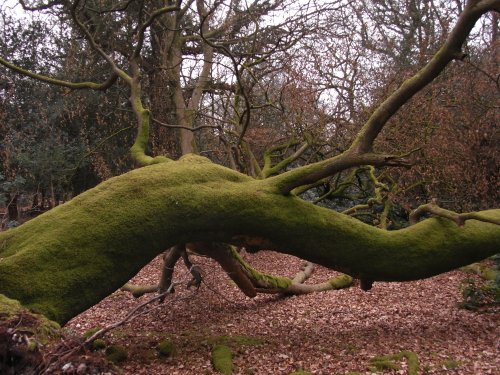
265 283
170 258
248 279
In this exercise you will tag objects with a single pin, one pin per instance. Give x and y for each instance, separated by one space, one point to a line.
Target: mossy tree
66 260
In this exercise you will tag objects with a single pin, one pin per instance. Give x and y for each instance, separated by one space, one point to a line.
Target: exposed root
265 283
304 274
170 258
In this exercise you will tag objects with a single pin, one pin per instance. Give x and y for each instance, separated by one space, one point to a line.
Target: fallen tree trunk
68 259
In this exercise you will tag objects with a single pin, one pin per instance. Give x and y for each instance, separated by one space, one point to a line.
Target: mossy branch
362 147
265 283
379 193
269 169
58 82
139 290
72 250
459 218
311 173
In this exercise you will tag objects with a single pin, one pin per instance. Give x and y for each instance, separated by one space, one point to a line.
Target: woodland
254 187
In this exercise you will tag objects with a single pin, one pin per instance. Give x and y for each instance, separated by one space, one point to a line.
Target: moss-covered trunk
68 259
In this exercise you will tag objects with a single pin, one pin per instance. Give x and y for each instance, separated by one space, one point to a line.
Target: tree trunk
12 209
66 260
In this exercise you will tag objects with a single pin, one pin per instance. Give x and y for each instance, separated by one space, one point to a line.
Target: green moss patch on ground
222 359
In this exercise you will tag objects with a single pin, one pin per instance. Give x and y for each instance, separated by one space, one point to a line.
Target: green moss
42 328
483 270
98 344
166 348
341 281
116 354
9 307
236 340
32 346
268 280
387 362
451 364
222 359
91 331
383 364
66 260
300 372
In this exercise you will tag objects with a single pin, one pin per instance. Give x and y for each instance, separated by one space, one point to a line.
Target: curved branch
54 81
269 169
311 173
121 73
460 219
450 51
142 29
72 250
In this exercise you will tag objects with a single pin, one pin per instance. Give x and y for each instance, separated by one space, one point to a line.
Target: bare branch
54 81
121 73
460 219
142 30
171 126
451 50
50 4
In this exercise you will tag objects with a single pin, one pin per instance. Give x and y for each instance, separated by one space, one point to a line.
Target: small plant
388 362
98 344
166 348
485 292
116 354
451 364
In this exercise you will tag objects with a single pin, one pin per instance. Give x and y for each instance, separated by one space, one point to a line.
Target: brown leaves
324 333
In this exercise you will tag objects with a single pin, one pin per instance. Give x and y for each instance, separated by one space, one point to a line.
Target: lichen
222 359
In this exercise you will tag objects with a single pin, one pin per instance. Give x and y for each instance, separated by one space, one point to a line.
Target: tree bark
68 259
12 208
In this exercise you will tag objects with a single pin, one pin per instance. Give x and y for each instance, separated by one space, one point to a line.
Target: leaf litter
334 332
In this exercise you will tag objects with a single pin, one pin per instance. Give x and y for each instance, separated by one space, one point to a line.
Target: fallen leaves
333 332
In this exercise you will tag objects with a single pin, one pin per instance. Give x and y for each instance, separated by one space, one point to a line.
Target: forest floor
334 332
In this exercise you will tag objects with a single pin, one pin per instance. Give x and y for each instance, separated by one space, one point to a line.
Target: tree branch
460 219
451 50
54 81
147 210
